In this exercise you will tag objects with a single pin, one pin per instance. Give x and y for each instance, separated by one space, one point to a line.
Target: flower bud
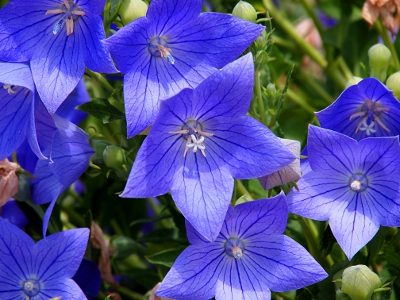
131 10
8 180
379 57
359 282
393 83
99 146
271 90
245 10
114 158
353 81
341 296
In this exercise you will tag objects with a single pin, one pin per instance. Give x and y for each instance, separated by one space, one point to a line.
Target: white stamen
9 89
237 252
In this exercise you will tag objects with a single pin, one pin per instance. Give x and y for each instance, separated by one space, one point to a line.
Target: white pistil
237 252
9 88
355 185
195 143
166 54
368 128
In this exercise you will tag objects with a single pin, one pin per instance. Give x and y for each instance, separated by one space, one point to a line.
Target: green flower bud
271 90
359 282
98 146
379 57
393 83
114 157
245 10
353 81
131 10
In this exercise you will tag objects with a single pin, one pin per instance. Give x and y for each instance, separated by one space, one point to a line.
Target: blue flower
59 38
42 270
172 48
249 258
367 109
13 214
353 184
200 141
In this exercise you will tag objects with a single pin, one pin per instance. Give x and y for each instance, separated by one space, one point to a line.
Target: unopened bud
393 83
99 146
379 57
114 158
8 180
245 10
271 90
359 282
131 10
353 81
341 296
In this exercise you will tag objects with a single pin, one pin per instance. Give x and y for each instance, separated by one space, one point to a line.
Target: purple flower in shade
172 48
59 38
88 278
367 109
353 184
200 141
249 258
13 214
42 270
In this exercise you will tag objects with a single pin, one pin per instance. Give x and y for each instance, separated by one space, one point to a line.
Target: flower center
31 287
158 47
358 182
70 13
192 132
234 247
370 113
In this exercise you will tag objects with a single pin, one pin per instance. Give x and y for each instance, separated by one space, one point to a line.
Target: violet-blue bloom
200 141
353 184
249 258
367 109
43 270
174 47
59 38
13 214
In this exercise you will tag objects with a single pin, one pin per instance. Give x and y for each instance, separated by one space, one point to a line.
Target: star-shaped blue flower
42 270
201 140
59 38
353 184
172 48
249 258
367 109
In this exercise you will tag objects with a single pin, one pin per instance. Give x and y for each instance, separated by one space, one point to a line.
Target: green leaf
102 110
125 246
166 257
114 6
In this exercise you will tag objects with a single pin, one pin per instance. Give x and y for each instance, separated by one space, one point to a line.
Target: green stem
257 87
300 101
384 33
344 68
97 77
291 31
127 292
312 83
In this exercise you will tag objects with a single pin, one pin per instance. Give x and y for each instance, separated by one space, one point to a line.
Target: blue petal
59 255
70 152
281 263
18 74
90 31
88 278
202 191
332 152
171 14
320 194
194 274
91 7
67 110
65 289
337 115
215 38
354 223
13 214
16 114
15 259
257 218
246 146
